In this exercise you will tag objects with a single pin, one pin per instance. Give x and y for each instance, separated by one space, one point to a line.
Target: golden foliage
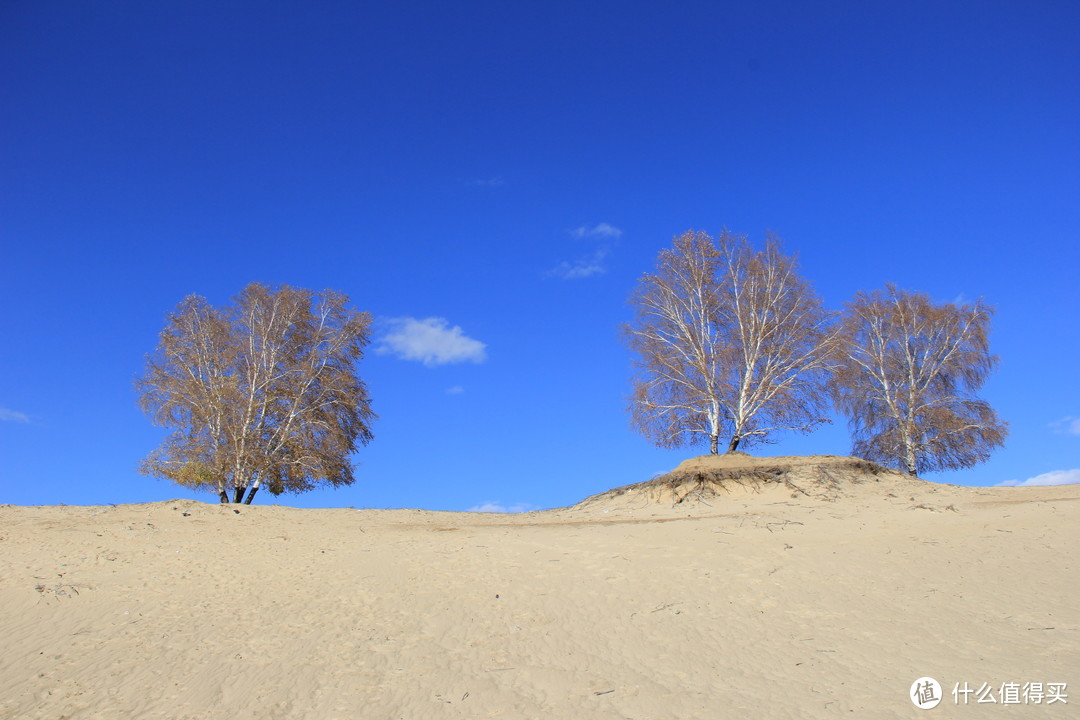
906 375
261 392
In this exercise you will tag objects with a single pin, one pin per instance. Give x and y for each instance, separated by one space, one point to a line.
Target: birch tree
263 392
907 373
678 395
730 342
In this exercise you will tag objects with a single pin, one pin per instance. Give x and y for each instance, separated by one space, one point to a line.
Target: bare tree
780 336
678 395
906 375
262 392
729 341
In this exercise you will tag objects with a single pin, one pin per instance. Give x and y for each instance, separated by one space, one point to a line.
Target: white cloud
13 416
1067 425
1054 477
456 390
582 267
494 506
432 341
601 230
593 263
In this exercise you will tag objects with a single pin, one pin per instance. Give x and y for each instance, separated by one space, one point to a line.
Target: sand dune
745 588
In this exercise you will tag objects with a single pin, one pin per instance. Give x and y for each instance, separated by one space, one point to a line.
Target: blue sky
489 179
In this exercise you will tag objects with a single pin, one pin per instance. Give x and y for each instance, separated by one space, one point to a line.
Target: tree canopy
907 372
729 341
261 392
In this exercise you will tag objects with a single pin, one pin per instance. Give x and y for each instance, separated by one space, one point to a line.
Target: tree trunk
911 462
251 494
733 444
714 442
224 496
239 495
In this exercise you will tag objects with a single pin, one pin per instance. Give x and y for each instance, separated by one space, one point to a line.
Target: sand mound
761 606
706 477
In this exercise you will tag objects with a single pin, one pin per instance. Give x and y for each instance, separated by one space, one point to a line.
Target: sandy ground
767 601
